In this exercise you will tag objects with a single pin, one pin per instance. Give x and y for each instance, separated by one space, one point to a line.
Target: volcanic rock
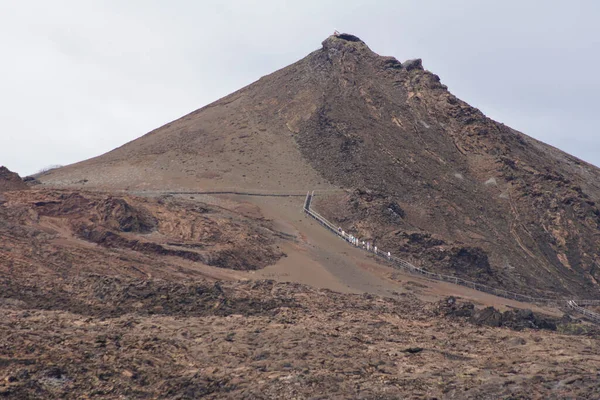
413 64
344 116
113 295
10 180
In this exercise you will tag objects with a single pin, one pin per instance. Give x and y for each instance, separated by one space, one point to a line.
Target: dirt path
320 259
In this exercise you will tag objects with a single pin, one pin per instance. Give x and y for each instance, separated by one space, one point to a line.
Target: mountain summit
427 175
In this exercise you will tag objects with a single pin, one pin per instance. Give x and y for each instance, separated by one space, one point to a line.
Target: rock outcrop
10 180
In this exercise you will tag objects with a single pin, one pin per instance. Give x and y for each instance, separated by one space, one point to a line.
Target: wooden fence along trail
571 304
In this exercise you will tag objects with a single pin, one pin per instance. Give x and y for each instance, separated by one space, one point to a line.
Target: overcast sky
79 78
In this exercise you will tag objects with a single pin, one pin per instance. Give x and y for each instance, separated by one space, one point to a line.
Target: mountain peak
340 43
448 186
339 40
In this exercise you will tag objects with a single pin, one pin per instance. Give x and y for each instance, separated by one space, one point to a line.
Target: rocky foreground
99 337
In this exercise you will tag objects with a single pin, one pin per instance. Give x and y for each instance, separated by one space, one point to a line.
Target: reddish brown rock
10 181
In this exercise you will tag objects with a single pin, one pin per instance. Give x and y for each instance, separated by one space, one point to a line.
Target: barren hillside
428 176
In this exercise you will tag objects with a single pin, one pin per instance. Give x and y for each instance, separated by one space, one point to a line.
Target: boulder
10 181
416 63
488 316
450 307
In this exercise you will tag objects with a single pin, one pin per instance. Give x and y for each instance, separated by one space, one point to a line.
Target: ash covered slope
434 177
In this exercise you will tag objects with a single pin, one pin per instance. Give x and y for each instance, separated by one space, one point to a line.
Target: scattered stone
488 316
413 350
517 341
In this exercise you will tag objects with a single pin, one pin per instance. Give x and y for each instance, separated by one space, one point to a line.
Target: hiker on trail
375 249
339 229
389 255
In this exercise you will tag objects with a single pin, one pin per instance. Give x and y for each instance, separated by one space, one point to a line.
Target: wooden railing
571 304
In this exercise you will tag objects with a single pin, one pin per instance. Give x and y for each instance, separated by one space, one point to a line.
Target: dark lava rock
391 63
10 180
514 319
396 209
413 350
520 319
31 181
55 372
488 316
417 63
450 307
349 37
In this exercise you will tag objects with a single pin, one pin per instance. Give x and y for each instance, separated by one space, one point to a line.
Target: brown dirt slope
430 177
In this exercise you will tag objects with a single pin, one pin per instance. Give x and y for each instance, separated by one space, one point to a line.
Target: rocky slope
54 234
117 338
10 181
109 296
429 176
